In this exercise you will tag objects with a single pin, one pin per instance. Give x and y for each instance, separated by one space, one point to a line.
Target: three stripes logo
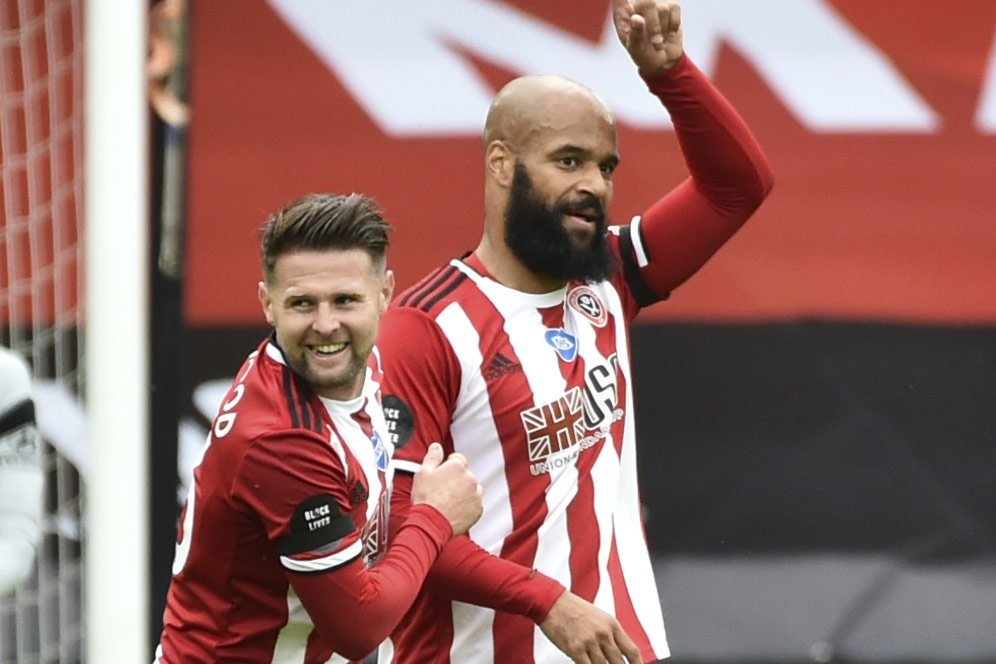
500 366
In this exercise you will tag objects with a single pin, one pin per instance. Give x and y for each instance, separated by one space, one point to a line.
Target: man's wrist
655 77
546 592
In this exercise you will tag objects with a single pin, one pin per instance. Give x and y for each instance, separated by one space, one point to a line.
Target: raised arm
729 174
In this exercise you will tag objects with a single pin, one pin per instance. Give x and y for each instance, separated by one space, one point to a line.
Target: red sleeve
730 177
467 573
283 469
424 383
354 608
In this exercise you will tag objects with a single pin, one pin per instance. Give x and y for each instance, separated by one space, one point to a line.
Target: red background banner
876 225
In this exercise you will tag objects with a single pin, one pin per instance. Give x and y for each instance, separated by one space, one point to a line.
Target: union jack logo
554 427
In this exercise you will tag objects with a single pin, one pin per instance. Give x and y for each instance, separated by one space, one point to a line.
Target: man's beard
536 235
346 377
321 381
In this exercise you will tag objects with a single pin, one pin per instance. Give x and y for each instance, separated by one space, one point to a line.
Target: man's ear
263 294
387 290
499 161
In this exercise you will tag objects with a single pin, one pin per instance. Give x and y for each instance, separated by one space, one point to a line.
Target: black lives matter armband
400 420
317 525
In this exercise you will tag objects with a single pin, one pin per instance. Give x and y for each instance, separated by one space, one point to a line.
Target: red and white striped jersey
288 482
535 391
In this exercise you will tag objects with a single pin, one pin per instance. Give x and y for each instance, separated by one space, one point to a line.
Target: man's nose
326 321
594 182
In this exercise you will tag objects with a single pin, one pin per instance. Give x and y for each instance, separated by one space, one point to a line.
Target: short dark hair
318 222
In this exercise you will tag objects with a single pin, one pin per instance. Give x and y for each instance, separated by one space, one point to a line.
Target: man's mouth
584 219
588 213
328 349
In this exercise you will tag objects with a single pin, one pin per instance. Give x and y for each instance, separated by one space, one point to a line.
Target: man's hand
587 634
449 487
651 32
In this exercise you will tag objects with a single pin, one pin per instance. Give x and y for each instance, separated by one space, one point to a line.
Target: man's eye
300 305
570 162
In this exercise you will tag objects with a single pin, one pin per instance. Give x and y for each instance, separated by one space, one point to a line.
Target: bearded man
517 355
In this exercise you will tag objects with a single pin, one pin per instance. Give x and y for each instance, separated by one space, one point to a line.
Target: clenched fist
450 487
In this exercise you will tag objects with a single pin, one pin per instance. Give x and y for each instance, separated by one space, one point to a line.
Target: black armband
318 523
400 420
644 295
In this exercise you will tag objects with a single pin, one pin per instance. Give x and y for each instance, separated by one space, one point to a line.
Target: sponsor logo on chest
558 431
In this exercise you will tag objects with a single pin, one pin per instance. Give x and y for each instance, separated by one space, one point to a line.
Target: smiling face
325 306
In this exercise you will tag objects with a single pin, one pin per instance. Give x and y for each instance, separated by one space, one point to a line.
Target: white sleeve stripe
410 467
634 235
337 559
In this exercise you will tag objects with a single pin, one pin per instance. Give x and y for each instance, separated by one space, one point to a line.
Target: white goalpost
117 230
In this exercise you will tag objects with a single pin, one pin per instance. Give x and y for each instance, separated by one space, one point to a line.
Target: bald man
517 355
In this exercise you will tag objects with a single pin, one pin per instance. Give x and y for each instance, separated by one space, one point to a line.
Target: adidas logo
500 366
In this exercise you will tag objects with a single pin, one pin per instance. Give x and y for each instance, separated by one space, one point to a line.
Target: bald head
529 105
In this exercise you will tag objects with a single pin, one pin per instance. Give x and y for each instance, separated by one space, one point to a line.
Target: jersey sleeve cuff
666 80
546 592
430 520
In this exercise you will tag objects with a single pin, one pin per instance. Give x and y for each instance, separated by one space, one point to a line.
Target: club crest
584 301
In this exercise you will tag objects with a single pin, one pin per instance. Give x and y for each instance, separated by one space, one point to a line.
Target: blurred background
816 408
